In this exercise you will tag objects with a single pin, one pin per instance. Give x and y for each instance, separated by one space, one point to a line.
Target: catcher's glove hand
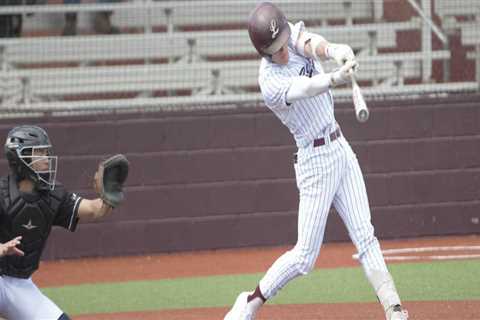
110 178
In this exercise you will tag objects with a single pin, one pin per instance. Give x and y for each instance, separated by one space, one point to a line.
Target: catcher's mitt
110 178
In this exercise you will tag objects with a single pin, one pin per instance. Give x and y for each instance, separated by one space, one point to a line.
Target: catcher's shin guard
64 316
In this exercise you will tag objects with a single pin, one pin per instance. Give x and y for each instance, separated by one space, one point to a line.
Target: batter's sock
255 301
256 294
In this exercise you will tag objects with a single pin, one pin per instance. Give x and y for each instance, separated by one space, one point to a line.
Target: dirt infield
249 261
442 310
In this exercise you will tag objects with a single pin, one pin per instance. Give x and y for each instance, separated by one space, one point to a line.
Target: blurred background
173 85
112 54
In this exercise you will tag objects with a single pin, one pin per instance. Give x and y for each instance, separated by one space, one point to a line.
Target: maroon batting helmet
268 28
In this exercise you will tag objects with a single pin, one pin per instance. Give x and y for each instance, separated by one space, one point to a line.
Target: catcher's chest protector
29 216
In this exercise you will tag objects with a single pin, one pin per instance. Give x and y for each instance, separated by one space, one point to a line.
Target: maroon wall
225 178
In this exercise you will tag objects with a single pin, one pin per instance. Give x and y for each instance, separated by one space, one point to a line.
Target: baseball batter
31 202
297 90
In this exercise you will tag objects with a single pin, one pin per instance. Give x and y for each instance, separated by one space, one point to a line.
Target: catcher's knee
64 316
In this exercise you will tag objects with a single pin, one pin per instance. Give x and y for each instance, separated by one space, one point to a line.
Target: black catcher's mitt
110 178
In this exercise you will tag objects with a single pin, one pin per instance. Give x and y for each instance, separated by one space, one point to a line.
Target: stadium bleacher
175 15
199 49
214 77
465 20
83 49
449 8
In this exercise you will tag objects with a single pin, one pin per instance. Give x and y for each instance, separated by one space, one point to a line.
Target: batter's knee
367 243
304 261
64 316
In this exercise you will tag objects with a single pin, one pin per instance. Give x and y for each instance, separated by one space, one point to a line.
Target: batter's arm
314 46
305 87
90 210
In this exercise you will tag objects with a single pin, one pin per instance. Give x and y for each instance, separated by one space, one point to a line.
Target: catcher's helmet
25 146
268 28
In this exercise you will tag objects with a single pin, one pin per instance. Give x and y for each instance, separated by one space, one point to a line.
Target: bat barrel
362 115
361 109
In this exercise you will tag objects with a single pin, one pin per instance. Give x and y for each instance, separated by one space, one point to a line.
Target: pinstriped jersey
309 118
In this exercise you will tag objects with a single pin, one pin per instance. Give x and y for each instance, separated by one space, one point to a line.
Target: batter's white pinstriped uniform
325 175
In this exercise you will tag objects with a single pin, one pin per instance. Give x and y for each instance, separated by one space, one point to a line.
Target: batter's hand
343 75
341 53
10 248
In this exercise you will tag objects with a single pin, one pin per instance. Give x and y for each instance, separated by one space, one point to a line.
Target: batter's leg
317 187
312 217
351 202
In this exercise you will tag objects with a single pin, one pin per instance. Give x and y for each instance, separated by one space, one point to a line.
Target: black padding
64 316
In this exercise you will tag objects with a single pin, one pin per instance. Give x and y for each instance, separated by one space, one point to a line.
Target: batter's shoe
239 309
397 312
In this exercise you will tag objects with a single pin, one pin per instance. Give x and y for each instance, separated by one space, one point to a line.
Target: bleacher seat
205 55
188 45
446 8
458 17
184 15
174 15
463 19
200 78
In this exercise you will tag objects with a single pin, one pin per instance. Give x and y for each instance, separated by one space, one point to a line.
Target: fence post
147 10
3 58
377 10
426 43
477 64
347 5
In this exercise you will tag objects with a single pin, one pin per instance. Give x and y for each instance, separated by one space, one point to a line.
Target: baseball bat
361 109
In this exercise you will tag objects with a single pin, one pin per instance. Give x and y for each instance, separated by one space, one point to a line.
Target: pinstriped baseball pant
326 175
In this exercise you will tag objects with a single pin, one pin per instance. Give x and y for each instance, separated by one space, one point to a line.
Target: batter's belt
321 141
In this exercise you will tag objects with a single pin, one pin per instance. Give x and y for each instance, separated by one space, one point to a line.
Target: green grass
452 280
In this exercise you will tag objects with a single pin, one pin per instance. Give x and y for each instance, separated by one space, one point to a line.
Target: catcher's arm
94 209
108 183
10 247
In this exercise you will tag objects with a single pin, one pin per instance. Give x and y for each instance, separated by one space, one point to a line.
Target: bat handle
352 78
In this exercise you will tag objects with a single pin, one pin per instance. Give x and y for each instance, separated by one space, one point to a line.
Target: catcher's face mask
40 161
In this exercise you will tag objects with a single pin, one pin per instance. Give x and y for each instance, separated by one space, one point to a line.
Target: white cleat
397 313
239 309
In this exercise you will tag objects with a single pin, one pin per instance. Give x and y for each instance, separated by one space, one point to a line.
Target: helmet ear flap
10 149
14 161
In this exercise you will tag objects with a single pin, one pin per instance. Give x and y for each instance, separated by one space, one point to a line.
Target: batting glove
343 75
341 53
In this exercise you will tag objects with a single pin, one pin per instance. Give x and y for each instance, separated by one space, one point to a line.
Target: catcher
31 202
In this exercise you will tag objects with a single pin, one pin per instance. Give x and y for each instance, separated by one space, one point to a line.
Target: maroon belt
321 141
333 136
